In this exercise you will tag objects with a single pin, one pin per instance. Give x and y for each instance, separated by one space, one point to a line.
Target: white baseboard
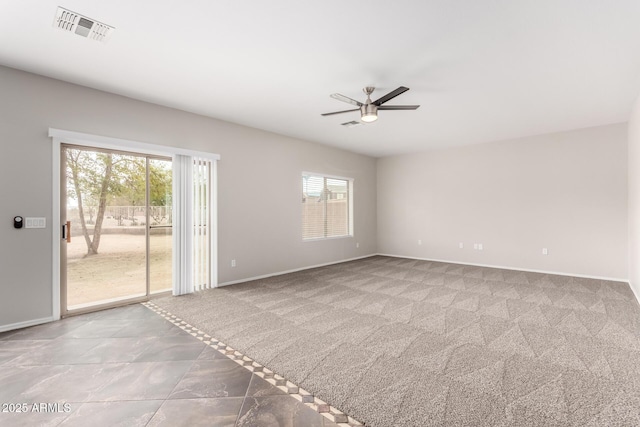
558 273
279 273
635 291
25 324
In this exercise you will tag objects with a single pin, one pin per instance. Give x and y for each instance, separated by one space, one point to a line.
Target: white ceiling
482 70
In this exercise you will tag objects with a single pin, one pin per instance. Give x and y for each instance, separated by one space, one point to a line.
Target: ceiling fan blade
340 112
398 107
346 99
390 95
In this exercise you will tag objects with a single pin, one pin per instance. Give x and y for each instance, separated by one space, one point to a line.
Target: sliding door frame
64 289
65 137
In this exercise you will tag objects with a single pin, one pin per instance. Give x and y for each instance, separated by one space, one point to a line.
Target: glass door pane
160 225
106 258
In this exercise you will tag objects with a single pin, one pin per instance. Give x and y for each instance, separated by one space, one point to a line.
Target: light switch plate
35 222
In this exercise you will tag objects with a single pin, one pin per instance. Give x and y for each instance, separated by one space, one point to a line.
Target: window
326 206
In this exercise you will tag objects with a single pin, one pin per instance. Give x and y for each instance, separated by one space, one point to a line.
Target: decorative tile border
332 414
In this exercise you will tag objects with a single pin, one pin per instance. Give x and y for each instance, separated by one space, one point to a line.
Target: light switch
35 222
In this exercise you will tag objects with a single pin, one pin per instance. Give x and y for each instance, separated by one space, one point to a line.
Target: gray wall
634 198
565 191
259 184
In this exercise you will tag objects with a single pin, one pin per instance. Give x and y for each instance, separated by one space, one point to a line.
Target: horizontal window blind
325 207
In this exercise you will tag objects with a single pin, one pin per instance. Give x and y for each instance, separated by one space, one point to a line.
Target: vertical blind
194 224
202 221
325 207
182 224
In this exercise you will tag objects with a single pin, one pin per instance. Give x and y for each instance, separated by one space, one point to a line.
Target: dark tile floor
128 366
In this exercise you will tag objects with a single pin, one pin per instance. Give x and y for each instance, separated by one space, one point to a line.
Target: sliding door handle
66 231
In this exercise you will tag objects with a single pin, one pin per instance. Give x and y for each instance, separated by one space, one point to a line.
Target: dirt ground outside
119 268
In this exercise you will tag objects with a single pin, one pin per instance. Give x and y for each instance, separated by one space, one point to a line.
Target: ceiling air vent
352 123
73 22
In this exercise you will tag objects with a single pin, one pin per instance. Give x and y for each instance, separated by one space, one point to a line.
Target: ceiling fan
369 109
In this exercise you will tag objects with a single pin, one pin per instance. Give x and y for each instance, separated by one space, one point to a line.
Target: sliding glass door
116 215
160 225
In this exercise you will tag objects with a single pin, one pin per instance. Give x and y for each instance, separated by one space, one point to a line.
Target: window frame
350 208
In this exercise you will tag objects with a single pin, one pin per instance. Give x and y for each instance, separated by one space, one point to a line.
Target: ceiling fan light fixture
368 113
369 109
369 118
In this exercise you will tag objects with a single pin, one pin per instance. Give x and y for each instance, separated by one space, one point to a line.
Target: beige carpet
398 342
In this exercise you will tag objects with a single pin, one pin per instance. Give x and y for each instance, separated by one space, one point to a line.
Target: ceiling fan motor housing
368 112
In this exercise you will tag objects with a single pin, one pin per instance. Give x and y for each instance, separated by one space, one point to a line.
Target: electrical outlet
461 245
545 251
233 263
419 242
480 246
475 246
357 245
